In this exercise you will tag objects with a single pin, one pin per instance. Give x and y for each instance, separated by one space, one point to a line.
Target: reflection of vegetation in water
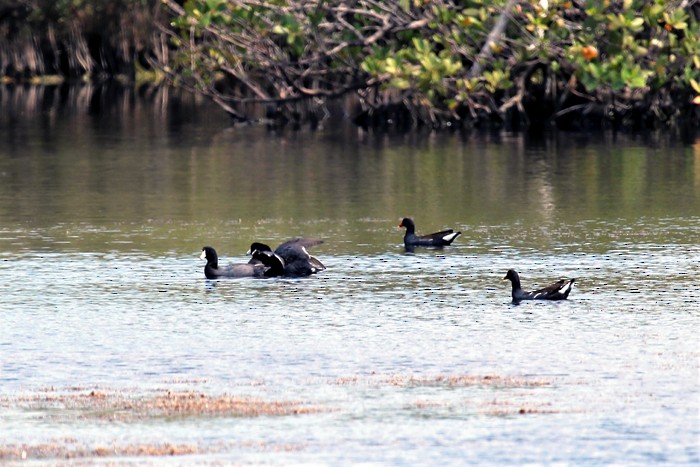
159 162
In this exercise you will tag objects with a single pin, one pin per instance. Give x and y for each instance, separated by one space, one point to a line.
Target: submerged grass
117 405
403 380
79 404
124 406
69 448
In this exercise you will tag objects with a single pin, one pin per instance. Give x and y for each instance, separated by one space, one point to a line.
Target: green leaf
695 85
401 83
637 24
392 66
421 45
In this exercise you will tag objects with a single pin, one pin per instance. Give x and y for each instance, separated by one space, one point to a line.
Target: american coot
558 291
273 263
259 247
213 271
289 259
439 239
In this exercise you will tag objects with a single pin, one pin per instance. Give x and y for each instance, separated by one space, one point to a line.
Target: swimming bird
438 239
290 259
213 271
273 263
259 247
558 291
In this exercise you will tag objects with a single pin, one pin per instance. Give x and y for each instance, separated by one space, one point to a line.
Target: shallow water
403 358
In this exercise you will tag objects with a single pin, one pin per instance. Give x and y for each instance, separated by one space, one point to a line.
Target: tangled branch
439 60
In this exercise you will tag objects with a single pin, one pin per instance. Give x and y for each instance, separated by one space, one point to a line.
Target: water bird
213 271
558 291
437 239
290 259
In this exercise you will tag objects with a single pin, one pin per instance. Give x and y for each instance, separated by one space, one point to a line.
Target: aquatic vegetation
118 405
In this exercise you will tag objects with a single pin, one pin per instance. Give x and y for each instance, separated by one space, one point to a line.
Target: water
396 358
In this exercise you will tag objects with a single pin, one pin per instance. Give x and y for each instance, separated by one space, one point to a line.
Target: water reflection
103 216
178 162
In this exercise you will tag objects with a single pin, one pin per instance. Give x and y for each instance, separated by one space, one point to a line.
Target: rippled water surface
385 357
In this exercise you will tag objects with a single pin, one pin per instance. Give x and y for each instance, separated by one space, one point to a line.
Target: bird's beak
249 252
203 255
505 278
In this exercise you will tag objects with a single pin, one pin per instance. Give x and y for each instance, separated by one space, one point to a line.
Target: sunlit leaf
695 85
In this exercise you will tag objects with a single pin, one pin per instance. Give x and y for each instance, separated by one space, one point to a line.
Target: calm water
409 358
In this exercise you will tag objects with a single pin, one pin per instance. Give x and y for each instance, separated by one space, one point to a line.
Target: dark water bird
257 247
437 239
558 291
273 263
213 271
290 259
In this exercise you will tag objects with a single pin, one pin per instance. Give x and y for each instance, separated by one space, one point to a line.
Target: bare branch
492 38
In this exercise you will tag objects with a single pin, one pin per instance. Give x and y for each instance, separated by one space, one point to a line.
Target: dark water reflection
179 163
106 199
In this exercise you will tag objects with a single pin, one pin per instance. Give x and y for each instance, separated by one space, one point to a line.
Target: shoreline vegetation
515 64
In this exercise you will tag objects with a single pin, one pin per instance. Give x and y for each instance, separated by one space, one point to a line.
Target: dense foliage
534 63
628 62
